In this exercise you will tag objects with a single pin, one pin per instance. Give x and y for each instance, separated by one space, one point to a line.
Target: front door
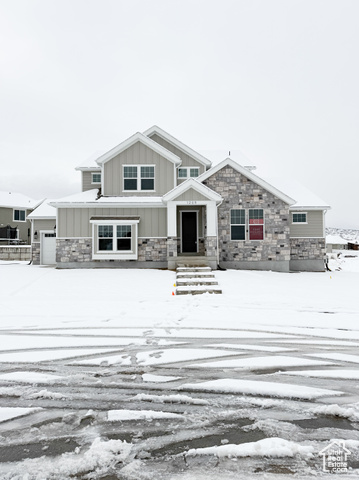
189 232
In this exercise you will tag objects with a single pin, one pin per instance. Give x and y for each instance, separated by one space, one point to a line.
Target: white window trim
114 255
262 224
139 165
300 213
188 169
95 173
18 210
238 224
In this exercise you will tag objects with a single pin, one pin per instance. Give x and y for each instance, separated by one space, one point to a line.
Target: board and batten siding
87 181
314 228
75 222
187 160
42 224
191 196
138 154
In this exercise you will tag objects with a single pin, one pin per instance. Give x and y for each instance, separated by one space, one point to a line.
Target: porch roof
192 183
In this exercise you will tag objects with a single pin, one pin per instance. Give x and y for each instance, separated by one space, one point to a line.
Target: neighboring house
153 202
14 226
336 242
43 234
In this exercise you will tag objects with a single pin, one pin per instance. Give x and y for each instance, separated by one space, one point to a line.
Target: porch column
211 219
171 235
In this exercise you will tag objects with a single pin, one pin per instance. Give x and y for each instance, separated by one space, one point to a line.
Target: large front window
138 177
115 238
108 242
256 224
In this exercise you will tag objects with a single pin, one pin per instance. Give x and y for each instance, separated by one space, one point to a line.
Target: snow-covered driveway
106 374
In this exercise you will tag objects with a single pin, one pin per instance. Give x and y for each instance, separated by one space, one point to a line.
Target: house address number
191 202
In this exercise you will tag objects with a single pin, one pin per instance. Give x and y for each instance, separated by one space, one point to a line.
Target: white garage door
48 249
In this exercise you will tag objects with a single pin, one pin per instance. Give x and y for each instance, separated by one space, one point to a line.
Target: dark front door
189 232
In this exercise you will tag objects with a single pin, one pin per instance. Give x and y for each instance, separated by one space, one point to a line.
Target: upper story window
138 177
96 177
256 223
300 217
19 215
186 172
238 224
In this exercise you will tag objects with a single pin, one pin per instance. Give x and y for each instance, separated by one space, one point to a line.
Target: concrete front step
193 269
196 280
195 275
197 290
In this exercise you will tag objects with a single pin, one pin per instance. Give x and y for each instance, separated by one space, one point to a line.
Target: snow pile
122 415
7 413
149 377
29 377
252 387
101 458
46 394
269 447
170 399
351 413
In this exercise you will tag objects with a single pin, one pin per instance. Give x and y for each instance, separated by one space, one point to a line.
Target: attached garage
48 248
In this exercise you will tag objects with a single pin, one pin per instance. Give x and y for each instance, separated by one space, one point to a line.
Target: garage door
48 249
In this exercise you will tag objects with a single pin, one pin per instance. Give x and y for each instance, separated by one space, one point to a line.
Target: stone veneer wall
307 248
11 252
73 250
240 192
211 246
79 250
35 253
152 249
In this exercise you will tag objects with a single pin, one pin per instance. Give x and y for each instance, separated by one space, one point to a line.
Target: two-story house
153 202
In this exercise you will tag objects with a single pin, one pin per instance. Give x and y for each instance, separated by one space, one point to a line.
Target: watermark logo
335 457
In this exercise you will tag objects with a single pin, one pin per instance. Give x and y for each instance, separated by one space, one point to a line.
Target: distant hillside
347 234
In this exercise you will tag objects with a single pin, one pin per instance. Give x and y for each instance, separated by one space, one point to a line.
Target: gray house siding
87 181
271 253
7 218
314 228
138 154
191 195
187 160
75 222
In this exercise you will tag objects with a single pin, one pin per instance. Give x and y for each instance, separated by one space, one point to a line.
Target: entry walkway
195 280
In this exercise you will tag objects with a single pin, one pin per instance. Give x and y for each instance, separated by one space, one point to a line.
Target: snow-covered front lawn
105 372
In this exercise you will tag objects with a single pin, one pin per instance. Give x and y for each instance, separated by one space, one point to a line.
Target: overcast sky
275 79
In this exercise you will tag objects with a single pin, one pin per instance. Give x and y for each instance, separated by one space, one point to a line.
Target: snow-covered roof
305 199
89 198
17 200
90 162
336 240
44 210
249 174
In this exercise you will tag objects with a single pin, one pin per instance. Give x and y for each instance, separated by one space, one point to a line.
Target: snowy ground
104 374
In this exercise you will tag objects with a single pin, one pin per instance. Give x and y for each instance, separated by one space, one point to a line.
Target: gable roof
250 175
139 137
177 143
192 183
44 210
